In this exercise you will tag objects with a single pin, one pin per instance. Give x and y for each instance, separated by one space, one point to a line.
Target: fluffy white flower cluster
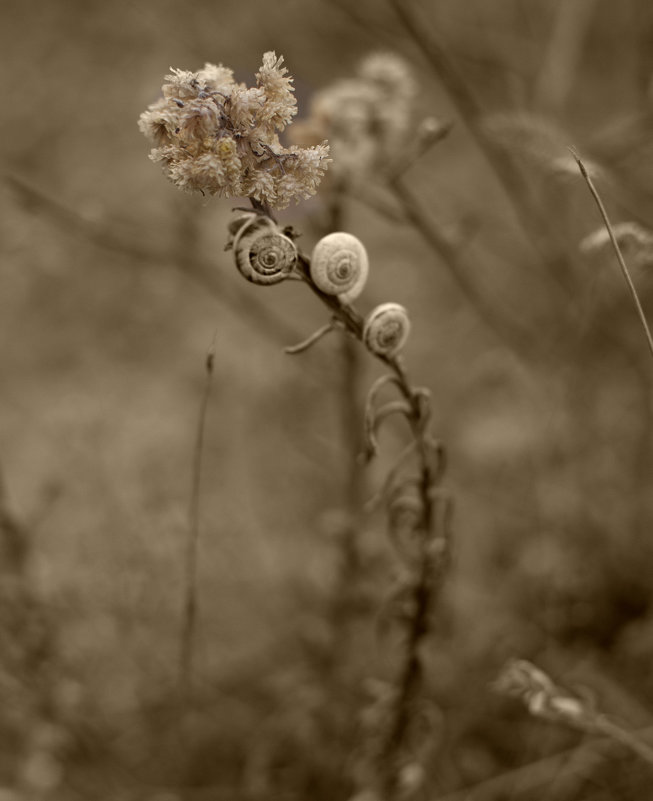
368 118
219 137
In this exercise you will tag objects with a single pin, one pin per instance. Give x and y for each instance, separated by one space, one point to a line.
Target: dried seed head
217 137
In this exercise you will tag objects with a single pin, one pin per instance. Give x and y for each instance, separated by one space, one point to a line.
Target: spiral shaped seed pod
263 254
339 265
386 329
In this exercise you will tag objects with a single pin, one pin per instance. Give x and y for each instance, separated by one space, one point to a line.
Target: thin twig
564 50
435 137
374 200
535 774
465 100
529 777
369 24
432 530
629 739
509 331
617 249
378 385
186 661
528 215
300 347
388 482
347 586
374 418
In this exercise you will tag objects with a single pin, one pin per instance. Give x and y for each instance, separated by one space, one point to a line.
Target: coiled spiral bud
386 329
339 265
263 254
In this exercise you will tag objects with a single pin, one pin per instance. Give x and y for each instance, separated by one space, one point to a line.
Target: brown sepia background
113 285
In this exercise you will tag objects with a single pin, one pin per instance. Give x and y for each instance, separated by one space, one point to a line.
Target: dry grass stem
433 528
509 331
472 113
617 249
190 607
628 739
300 347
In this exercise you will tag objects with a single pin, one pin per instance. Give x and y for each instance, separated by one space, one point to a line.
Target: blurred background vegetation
112 286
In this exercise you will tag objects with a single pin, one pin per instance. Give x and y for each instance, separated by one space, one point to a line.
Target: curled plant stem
374 418
391 475
189 621
433 560
378 385
392 742
617 249
312 339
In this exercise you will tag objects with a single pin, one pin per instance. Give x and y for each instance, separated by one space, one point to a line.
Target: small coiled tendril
263 254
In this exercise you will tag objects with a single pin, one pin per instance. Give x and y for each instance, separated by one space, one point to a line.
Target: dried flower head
543 698
218 137
368 118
